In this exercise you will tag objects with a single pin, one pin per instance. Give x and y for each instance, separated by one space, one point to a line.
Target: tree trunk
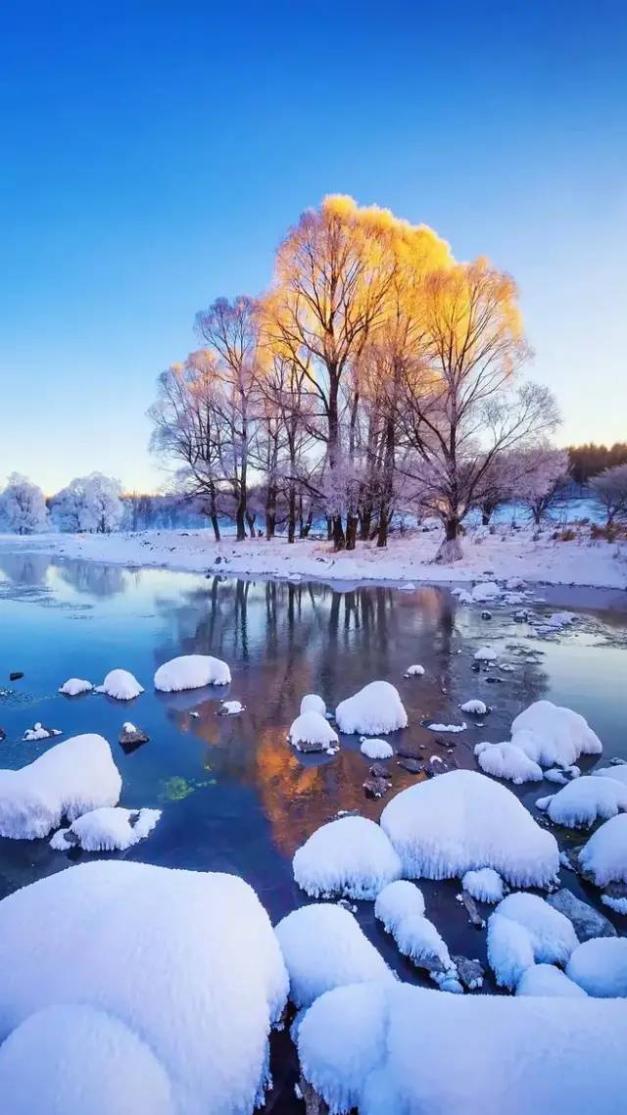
339 538
365 523
291 513
216 526
305 525
451 549
271 512
382 532
485 518
351 531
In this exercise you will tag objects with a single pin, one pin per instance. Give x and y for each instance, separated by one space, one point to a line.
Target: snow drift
121 685
375 709
351 856
191 671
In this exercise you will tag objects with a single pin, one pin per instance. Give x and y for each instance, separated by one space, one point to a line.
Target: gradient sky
153 154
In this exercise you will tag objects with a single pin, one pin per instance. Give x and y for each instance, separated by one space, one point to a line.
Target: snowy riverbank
506 553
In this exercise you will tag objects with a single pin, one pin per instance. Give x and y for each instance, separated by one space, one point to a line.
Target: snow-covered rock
549 981
486 590
39 731
351 857
557 736
121 685
387 1049
375 709
324 947
485 654
311 702
618 772
600 967
74 686
396 901
108 829
484 885
376 748
231 708
191 671
604 857
414 671
312 732
561 776
462 821
70 779
475 706
452 728
186 960
584 801
507 760
525 930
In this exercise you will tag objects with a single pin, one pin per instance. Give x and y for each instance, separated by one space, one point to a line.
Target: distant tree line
590 459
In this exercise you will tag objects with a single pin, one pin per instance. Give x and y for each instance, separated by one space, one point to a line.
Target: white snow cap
486 654
121 685
475 706
351 856
461 821
604 857
108 829
232 708
549 981
376 748
74 686
484 885
191 671
66 781
87 1062
377 708
387 1049
506 760
38 732
557 736
186 960
311 702
396 901
524 930
313 729
414 671
324 947
600 967
584 801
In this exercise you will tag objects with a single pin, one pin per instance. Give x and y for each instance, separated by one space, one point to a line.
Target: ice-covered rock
549 981
475 706
231 708
311 702
600 967
486 590
507 760
324 947
469 971
121 685
587 922
74 686
414 671
376 748
191 671
525 930
396 901
462 821
186 960
312 732
375 709
561 776
351 856
557 736
484 885
603 858
108 829
615 898
387 1049
452 728
485 654
39 731
418 939
617 771
70 779
584 801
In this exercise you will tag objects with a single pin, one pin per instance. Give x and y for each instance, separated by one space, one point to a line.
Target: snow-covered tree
540 476
89 503
23 506
610 488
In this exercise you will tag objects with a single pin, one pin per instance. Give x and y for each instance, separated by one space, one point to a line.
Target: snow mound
323 947
485 654
584 801
87 1062
600 967
351 857
484 885
453 728
549 981
418 939
311 702
618 773
38 731
561 735
108 829
475 706
561 776
604 856
312 732
71 778
507 760
485 591
74 686
414 671
121 685
186 960
396 901
387 1049
375 709
191 671
376 748
461 821
525 930
231 708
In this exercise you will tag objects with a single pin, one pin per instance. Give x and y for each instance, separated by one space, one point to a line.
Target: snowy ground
506 553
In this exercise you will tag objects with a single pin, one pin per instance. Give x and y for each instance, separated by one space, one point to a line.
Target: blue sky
153 154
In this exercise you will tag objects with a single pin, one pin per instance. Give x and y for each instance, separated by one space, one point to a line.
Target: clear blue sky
154 153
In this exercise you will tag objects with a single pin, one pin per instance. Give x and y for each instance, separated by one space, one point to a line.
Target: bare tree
610 488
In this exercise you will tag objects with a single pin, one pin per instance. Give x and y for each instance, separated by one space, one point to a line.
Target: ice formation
604 857
121 685
108 829
74 686
375 709
312 732
484 885
524 930
506 760
584 801
547 980
376 748
191 671
600 967
556 736
351 857
311 702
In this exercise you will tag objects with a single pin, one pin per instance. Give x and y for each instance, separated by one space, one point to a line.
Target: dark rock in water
15 675
3 734
472 910
475 667
486 614
436 765
131 738
377 770
616 762
494 681
345 813
521 616
376 787
470 972
71 839
616 891
406 753
414 766
133 818
587 922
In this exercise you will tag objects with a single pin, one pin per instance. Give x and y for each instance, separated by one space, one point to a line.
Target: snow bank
376 709
561 735
323 947
461 821
187 961
108 829
604 857
311 702
71 778
484 885
38 731
376 748
475 706
549 981
389 1049
74 686
191 671
525 930
351 856
507 760
600 967
121 685
584 801
396 901
312 732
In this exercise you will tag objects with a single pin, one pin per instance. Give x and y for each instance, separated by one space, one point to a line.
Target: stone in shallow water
376 787
414 766
470 972
378 770
587 922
